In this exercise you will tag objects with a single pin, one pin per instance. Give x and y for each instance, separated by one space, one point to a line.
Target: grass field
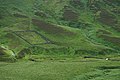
61 69
59 40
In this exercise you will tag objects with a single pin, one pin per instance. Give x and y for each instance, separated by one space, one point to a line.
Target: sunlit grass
70 69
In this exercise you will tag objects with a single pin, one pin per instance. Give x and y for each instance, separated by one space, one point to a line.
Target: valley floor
83 69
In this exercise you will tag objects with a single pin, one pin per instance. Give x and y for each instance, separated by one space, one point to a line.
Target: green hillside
59 39
86 26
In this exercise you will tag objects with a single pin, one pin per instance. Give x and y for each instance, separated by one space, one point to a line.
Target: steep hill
60 26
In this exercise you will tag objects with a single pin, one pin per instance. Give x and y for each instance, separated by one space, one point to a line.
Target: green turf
82 69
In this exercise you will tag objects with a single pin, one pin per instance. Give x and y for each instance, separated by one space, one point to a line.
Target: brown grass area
114 40
107 18
70 15
52 29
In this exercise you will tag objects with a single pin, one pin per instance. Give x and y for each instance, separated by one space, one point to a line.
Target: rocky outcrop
6 54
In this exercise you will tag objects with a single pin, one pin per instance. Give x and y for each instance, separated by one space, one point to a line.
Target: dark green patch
19 15
109 67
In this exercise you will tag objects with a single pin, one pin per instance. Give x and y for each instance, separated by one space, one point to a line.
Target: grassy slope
79 38
41 16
